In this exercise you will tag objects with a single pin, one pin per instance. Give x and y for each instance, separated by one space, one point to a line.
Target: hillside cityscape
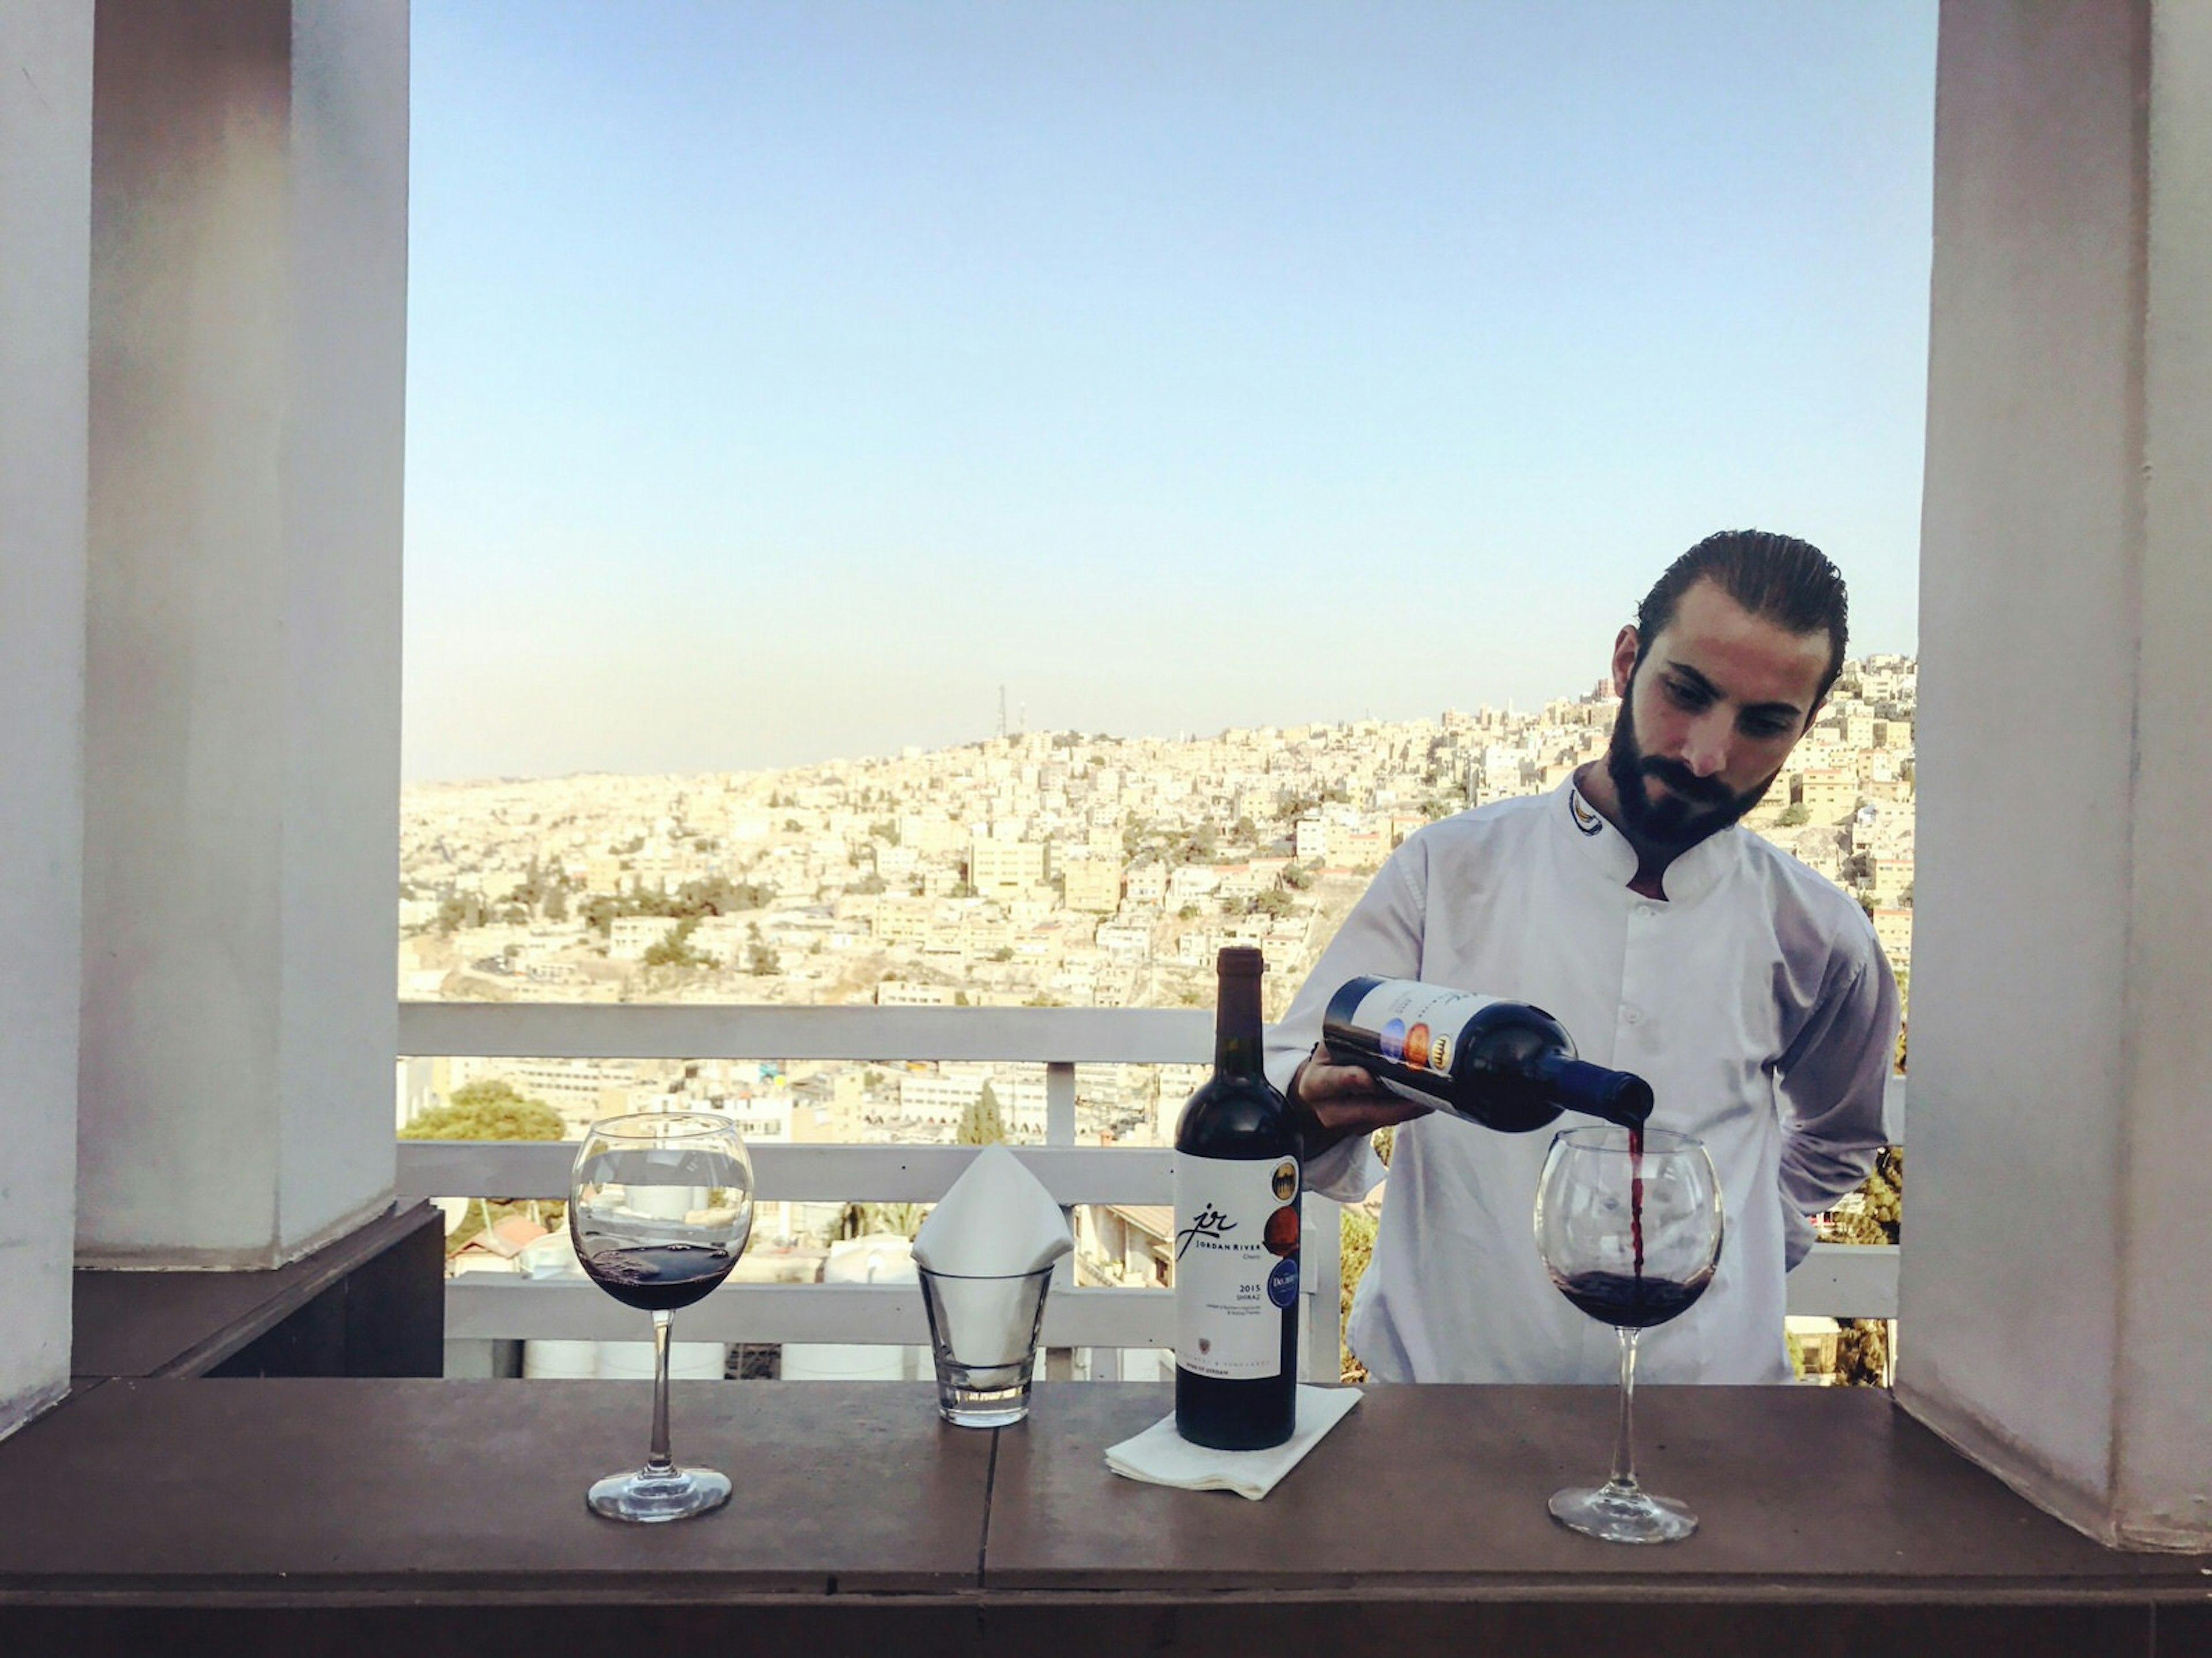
1030 869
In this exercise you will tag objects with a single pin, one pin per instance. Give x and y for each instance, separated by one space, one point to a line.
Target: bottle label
1235 1265
1417 1026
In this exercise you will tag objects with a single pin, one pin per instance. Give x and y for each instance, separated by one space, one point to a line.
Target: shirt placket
1642 983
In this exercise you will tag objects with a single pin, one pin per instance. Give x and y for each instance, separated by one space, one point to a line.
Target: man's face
1708 716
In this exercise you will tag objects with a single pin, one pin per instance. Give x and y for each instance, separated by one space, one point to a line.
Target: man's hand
1335 1102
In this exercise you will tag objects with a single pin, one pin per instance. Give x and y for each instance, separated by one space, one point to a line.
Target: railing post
1322 1242
1060 1130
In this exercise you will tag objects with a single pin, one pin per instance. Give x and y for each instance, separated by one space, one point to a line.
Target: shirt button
1632 1016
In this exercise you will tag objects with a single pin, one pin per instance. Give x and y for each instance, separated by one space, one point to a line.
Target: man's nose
1706 752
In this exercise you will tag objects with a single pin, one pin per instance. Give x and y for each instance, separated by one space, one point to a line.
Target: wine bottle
1236 1186
1505 1064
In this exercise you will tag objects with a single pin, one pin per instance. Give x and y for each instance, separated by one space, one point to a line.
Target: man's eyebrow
1699 682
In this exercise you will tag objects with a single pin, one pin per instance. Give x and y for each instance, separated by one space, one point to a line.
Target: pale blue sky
784 377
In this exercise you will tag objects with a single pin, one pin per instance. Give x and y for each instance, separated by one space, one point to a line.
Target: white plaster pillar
242 715
45 197
2056 1293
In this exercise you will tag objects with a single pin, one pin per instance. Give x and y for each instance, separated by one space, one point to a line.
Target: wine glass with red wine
660 1204
1629 1225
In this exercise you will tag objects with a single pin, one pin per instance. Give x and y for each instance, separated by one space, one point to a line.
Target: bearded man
1747 990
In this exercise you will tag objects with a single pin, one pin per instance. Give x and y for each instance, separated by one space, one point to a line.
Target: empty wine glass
1629 1225
660 1204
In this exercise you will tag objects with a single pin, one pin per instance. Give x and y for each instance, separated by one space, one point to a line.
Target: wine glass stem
659 1462
1624 1452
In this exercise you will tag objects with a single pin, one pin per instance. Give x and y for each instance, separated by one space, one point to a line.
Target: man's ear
1624 659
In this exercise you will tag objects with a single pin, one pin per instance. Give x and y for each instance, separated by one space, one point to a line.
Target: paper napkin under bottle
1161 1456
998 1221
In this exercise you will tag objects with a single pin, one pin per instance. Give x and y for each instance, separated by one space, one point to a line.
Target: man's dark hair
1779 579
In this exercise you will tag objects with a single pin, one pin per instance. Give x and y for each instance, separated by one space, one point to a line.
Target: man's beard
1694 806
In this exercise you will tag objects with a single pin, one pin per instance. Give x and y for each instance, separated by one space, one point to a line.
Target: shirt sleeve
1832 1080
1380 935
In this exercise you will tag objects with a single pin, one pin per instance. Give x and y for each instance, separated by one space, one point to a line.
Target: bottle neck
1618 1096
1236 1028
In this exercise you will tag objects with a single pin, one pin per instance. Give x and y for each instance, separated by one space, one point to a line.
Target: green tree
487 1110
860 1220
981 1123
463 910
1862 1355
490 1110
1795 815
675 949
1862 1352
1355 1246
717 894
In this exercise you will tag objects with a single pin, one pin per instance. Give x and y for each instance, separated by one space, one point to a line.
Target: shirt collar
1688 878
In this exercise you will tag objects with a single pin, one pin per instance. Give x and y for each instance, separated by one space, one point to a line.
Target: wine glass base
1612 1514
648 1497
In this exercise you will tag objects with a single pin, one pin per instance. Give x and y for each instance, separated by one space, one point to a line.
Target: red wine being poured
1636 1198
1632 1300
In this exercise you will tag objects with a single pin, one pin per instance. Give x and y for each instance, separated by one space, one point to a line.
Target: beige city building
1004 869
1828 796
1093 884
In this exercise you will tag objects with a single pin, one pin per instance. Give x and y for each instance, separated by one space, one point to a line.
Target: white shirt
1754 1001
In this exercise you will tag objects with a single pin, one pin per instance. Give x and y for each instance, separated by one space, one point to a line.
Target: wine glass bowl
1629 1225
660 1206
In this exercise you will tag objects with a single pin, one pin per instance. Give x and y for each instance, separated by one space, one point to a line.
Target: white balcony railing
1845 1281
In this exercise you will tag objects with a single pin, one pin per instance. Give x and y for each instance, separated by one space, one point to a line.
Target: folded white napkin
1164 1457
998 1221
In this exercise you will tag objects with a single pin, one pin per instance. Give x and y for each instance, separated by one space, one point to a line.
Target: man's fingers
1325 1080
1345 1099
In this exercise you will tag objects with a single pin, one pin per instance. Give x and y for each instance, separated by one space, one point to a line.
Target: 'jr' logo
1209 1223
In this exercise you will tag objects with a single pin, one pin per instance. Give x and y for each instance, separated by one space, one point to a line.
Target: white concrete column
242 740
45 197
2056 1291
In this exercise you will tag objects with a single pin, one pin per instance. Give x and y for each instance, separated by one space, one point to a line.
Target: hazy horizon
784 380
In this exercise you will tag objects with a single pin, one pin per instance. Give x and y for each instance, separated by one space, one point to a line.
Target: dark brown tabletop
244 1517
369 1484
1422 1487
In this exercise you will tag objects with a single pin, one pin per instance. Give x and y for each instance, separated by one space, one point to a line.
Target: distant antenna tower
1002 710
